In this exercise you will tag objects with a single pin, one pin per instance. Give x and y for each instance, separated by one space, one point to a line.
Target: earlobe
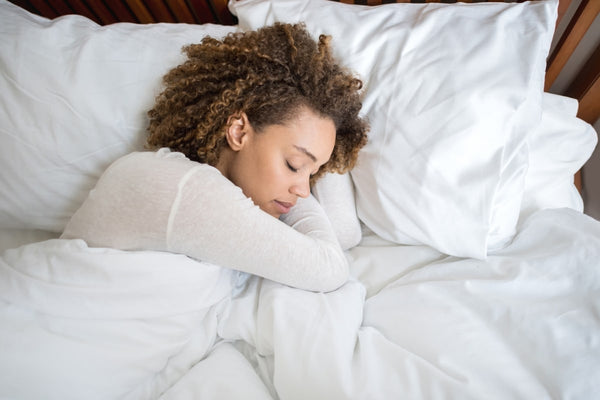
237 131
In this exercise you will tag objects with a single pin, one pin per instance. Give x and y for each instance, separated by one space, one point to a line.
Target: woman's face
273 167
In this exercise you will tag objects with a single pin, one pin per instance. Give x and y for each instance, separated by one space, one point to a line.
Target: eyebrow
308 153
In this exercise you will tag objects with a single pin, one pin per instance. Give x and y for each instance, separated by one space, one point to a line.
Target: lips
283 207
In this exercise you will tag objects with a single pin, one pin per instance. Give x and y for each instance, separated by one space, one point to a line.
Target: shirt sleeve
335 193
164 202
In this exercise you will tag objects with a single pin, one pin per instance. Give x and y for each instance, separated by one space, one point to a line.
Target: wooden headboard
137 11
585 86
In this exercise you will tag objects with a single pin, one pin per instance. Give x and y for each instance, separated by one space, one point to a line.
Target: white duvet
89 323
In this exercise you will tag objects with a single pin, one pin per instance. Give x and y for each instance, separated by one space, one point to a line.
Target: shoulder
160 158
166 171
159 165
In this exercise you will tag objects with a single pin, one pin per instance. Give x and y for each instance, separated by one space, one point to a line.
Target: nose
301 188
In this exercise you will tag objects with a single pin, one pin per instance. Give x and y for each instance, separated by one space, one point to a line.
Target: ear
238 131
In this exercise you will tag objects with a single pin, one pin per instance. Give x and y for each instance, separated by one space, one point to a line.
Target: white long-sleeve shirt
163 201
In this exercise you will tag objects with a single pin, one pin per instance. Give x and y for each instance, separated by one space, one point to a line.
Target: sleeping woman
238 135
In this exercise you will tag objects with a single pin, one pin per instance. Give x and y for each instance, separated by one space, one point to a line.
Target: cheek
265 179
267 176
275 175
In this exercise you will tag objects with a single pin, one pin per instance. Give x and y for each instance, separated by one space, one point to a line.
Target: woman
242 128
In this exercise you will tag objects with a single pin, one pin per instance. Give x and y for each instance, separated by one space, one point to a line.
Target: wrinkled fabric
90 323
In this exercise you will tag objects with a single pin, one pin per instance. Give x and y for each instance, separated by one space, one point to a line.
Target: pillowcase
73 98
451 92
558 148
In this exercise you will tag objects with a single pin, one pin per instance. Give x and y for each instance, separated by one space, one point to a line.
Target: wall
591 182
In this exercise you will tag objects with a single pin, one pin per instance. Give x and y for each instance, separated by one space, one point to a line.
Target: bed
476 274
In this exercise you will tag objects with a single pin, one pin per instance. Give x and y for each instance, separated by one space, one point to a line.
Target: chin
276 215
271 212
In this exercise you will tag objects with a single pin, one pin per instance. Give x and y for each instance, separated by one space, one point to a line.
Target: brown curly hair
268 74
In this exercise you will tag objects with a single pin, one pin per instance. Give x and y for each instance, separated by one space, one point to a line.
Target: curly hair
269 74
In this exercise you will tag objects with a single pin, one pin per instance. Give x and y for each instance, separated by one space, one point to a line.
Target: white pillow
73 98
451 92
558 148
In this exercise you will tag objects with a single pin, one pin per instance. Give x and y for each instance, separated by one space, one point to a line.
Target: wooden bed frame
585 87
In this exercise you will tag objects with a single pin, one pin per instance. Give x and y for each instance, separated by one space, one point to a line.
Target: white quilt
85 323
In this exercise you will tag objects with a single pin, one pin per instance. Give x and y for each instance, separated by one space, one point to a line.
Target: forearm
213 221
304 254
335 193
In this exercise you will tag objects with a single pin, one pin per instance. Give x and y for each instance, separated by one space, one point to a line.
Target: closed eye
290 167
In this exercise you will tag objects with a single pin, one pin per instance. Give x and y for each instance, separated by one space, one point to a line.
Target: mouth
283 207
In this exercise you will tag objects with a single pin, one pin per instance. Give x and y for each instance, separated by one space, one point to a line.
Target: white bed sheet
412 323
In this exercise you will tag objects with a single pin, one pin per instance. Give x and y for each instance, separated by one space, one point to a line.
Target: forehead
308 134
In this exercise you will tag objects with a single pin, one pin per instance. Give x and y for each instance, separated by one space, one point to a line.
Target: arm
152 202
335 193
241 236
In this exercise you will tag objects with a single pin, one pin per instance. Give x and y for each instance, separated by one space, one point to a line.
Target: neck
224 162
